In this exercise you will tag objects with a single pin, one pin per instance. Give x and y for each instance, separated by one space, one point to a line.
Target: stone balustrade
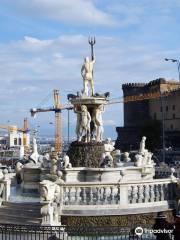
118 193
118 198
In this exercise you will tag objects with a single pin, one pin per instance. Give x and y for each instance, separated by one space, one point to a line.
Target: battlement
133 85
160 84
158 81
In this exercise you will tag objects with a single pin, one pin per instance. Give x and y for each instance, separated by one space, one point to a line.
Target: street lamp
174 61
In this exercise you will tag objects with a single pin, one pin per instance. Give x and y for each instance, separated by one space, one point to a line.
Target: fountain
94 181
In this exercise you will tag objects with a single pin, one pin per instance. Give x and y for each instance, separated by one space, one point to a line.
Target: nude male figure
87 74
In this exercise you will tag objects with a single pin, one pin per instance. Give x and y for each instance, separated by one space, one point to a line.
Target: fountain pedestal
30 176
85 154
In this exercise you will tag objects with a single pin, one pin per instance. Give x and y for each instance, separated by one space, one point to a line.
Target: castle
138 113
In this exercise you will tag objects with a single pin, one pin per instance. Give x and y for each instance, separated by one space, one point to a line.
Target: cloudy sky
43 43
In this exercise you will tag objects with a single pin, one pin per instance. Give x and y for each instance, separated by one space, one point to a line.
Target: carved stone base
87 224
85 154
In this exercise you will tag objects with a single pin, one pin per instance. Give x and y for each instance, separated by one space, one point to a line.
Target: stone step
21 213
24 205
19 220
17 212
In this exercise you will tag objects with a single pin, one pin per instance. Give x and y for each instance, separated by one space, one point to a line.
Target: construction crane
140 97
57 108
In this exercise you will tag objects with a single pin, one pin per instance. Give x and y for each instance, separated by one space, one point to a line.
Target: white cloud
76 12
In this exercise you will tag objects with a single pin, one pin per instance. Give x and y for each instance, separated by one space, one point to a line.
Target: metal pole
68 125
178 63
163 126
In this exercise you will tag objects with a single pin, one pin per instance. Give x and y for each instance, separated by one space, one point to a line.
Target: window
20 141
173 107
174 115
15 141
166 108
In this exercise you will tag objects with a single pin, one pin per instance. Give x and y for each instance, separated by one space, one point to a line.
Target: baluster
151 193
118 194
65 196
165 191
146 193
84 196
112 194
130 194
90 195
140 194
73 195
161 192
134 194
104 195
68 189
98 195
77 195
156 192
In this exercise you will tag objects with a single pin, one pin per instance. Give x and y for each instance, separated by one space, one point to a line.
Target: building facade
137 113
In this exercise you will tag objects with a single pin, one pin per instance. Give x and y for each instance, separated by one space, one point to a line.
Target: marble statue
46 160
139 160
142 148
98 123
117 158
87 74
35 155
83 124
126 157
66 162
47 190
54 160
107 159
144 157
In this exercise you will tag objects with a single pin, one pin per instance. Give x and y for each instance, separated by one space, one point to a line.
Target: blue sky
43 43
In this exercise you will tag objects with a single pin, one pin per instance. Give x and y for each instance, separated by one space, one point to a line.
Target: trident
92 41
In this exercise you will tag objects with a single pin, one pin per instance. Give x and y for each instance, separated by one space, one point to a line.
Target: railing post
123 195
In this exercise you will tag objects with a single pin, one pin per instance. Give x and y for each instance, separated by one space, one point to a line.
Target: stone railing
157 194
117 193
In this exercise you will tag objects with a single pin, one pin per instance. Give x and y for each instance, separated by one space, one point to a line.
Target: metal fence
20 232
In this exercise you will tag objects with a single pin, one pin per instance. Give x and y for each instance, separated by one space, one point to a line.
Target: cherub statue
107 158
66 161
87 74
